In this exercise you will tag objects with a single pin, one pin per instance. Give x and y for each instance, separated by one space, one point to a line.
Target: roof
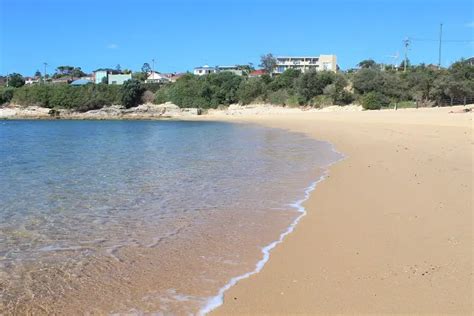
297 57
205 67
257 72
80 82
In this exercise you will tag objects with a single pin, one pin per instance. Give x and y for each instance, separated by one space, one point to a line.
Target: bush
374 101
279 97
162 95
321 101
6 94
148 97
249 90
81 98
132 92
293 101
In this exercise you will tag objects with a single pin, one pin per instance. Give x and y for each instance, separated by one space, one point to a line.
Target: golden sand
390 230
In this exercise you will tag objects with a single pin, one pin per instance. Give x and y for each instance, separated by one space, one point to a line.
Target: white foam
217 300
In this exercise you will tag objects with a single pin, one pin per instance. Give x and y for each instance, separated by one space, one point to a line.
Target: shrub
249 90
132 92
6 94
293 101
278 97
162 95
148 97
321 101
374 101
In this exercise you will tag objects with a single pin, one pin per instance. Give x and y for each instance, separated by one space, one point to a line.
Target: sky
183 34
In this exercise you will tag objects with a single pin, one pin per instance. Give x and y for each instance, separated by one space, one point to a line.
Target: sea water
143 216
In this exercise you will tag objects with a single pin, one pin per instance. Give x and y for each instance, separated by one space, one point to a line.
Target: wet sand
390 230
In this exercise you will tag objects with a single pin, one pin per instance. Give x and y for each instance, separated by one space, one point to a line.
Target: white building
204 70
233 69
154 77
306 63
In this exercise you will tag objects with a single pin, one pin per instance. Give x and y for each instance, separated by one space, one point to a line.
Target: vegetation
371 85
16 80
131 93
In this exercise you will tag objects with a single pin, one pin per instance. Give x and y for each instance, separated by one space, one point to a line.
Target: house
204 70
155 77
118 79
257 73
173 76
99 76
31 80
62 80
233 69
306 63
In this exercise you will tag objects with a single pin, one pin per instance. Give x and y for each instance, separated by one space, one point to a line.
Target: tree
367 63
250 89
312 84
16 80
118 68
287 80
38 74
132 92
140 76
146 68
77 72
268 62
374 101
402 64
337 92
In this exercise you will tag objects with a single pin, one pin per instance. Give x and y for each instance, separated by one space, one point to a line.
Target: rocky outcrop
143 111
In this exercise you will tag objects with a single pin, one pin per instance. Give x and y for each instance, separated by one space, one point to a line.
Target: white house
155 77
306 63
204 70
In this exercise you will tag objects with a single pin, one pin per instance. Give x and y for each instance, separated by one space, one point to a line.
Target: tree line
370 85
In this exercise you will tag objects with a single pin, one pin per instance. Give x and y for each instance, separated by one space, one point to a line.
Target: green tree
16 80
132 92
268 63
367 63
312 84
250 89
374 101
146 68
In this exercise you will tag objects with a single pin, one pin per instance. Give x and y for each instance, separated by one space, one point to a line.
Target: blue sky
182 34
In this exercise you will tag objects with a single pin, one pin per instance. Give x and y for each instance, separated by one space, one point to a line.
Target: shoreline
216 301
399 239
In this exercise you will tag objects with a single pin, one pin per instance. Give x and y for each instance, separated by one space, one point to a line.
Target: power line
414 39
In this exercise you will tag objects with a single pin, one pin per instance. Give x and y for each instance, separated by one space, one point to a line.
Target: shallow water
148 216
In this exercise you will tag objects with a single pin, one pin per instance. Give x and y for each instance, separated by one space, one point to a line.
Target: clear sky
182 34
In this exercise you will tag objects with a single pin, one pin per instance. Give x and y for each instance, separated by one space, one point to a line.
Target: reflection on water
154 216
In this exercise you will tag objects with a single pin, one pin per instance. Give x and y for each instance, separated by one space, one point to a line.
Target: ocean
144 216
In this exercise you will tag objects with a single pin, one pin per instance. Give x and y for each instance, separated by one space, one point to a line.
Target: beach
388 231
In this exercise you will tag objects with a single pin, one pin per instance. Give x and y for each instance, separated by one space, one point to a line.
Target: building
204 70
233 69
81 82
257 73
118 79
155 77
306 63
100 75
31 80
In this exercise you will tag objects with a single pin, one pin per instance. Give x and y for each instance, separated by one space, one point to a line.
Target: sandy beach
389 231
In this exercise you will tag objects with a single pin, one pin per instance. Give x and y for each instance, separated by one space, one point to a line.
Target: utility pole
44 76
406 42
440 41
152 66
